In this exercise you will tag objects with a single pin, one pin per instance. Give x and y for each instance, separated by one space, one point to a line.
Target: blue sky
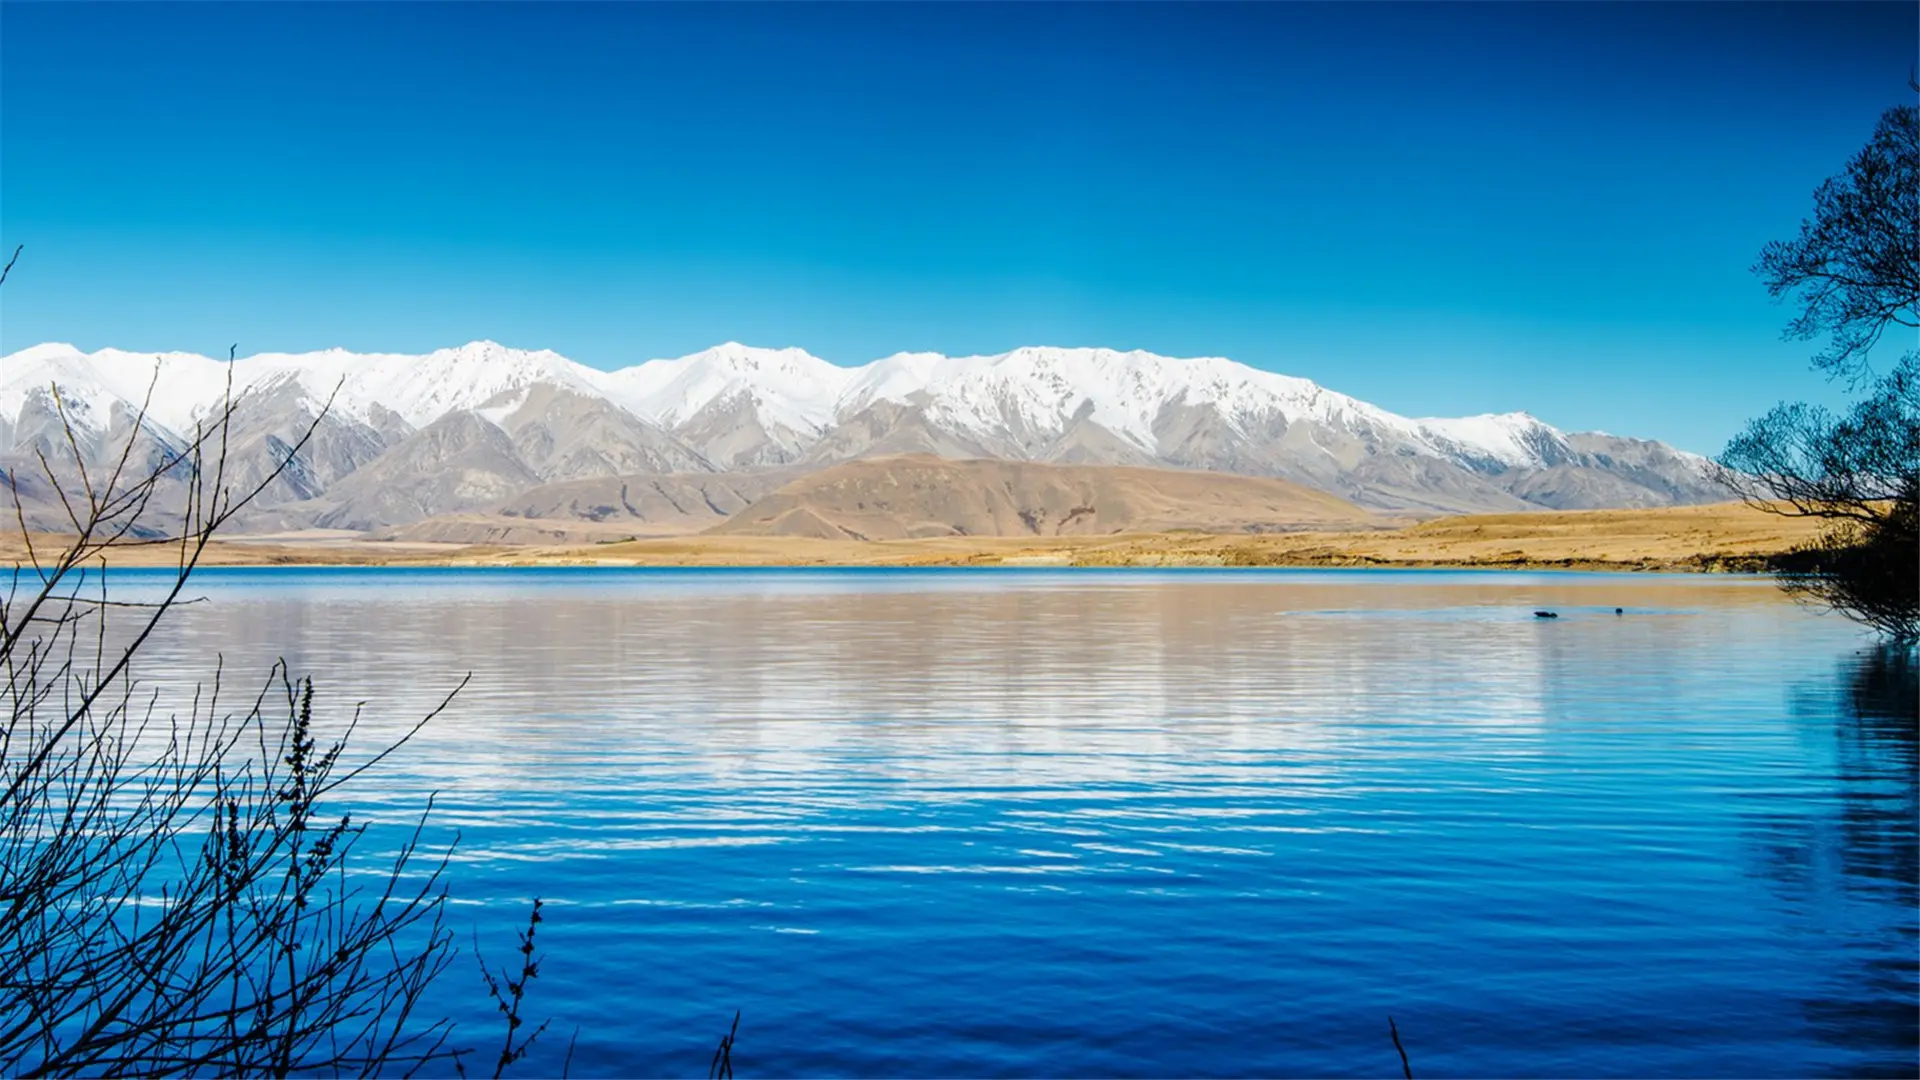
1443 209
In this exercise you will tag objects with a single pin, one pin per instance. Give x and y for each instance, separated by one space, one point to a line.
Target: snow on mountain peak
47 350
1043 389
1029 395
788 387
420 388
96 382
1510 439
895 378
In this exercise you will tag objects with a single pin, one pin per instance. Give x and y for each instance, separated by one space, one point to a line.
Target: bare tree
1855 271
176 895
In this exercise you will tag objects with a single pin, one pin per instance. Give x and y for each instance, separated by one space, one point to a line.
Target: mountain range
498 432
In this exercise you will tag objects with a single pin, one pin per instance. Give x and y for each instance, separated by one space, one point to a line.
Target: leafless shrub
508 990
721 1068
178 894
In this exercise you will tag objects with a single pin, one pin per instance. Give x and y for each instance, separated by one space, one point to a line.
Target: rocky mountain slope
465 430
919 496
603 508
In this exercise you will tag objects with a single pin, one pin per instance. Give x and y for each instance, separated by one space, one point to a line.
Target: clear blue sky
1443 208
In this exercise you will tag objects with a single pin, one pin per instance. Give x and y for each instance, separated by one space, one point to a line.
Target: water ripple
1176 823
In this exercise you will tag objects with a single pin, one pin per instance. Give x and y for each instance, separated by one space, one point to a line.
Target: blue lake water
1134 823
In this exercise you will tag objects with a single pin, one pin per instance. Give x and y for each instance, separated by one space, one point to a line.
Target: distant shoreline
995 567
1719 538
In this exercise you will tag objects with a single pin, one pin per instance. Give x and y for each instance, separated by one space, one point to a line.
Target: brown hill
602 508
659 503
919 495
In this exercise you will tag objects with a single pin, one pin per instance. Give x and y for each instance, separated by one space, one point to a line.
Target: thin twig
721 1068
1405 1068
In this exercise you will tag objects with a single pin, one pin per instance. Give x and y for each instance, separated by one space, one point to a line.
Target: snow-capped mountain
188 387
460 429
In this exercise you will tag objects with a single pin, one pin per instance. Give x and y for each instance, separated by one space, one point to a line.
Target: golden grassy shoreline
1719 537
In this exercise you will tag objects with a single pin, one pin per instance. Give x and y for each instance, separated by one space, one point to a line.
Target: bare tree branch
177 896
1855 271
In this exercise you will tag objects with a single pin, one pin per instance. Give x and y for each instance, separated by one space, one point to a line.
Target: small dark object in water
1546 614
1619 611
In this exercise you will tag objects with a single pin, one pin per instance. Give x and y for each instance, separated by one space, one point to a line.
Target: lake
1139 823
